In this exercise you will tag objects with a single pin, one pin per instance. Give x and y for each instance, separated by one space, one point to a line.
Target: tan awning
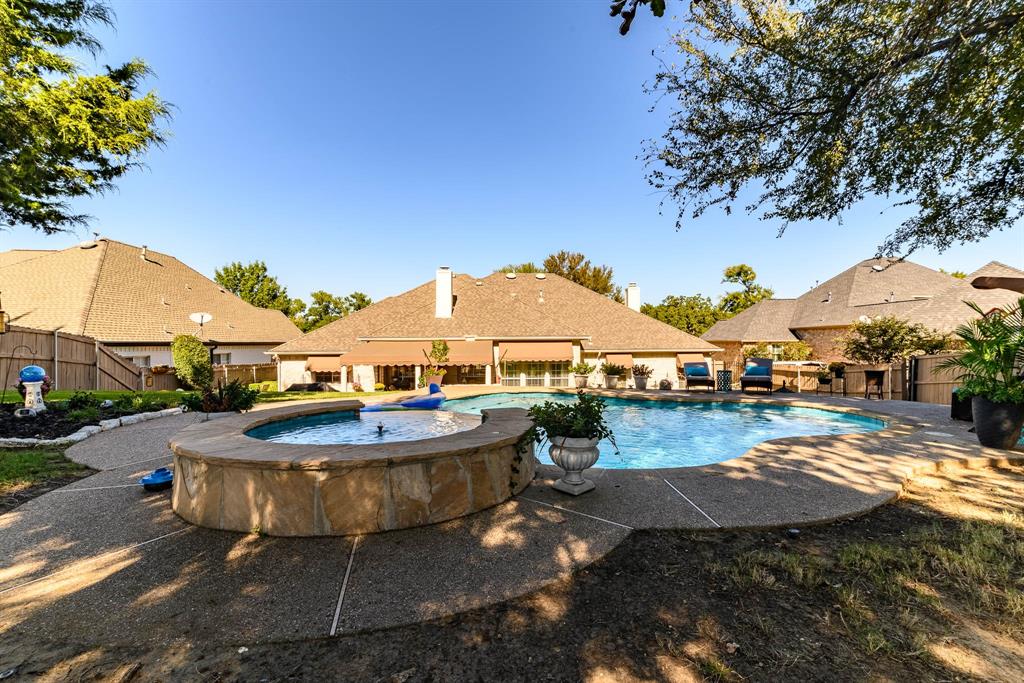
387 353
460 352
535 351
689 358
623 359
469 353
323 364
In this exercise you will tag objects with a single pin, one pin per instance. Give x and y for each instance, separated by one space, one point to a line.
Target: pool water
652 434
349 427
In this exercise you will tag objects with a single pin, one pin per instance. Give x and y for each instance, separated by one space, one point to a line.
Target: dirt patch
925 589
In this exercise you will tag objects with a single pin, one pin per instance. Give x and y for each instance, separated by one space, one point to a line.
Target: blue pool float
432 401
157 480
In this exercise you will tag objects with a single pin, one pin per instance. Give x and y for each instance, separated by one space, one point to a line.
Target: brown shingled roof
498 307
106 290
873 287
765 321
947 309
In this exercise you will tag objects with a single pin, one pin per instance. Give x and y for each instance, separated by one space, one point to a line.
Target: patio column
487 374
547 379
522 379
344 378
416 378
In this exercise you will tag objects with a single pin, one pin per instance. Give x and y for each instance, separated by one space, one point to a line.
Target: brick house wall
825 341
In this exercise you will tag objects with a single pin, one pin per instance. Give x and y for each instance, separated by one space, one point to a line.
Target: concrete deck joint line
576 512
107 554
344 586
94 488
695 506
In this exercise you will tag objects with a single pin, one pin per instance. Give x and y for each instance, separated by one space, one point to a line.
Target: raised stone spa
225 479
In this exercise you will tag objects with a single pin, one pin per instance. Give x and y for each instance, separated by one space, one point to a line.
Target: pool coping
225 442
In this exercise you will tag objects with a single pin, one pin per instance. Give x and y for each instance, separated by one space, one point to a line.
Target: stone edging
90 430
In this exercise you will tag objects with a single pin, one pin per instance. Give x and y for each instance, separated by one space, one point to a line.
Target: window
776 351
141 361
222 359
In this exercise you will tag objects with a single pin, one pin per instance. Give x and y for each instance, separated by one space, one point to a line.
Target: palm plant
992 363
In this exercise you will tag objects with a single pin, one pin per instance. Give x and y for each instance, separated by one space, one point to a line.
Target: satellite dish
200 318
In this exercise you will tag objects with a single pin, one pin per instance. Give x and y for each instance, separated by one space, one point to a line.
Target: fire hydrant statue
32 377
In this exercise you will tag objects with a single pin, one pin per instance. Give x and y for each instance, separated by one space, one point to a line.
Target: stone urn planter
581 381
641 383
611 381
998 425
573 456
434 379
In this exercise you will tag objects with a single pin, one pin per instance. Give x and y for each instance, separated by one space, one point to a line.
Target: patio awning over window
688 358
323 364
535 351
387 353
469 352
460 352
623 359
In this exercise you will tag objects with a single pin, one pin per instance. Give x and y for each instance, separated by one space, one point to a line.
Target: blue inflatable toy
157 480
432 401
32 373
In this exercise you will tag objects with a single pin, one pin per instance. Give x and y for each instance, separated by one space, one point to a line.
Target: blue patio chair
757 373
697 374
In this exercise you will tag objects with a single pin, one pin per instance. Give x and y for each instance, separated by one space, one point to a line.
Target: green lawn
24 467
170 397
278 396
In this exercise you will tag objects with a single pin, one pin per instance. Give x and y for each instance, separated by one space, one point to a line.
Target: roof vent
87 245
540 299
540 276
142 255
878 268
163 300
479 283
828 299
510 276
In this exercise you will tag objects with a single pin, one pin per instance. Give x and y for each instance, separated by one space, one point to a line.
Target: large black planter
997 424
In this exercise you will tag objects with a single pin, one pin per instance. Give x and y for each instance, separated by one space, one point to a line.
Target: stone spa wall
226 480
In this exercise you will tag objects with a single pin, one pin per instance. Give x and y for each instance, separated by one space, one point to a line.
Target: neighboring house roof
874 287
107 290
948 309
765 321
499 307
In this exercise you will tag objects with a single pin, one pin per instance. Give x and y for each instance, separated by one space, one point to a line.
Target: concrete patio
101 561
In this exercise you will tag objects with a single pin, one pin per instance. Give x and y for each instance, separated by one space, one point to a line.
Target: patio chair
757 373
873 381
697 374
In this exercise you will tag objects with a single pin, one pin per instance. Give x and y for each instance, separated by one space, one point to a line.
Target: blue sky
358 145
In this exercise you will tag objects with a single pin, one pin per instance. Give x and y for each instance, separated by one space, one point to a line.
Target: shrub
234 396
357 387
192 361
889 339
613 370
796 350
641 370
836 368
85 414
581 369
82 399
378 387
583 419
263 386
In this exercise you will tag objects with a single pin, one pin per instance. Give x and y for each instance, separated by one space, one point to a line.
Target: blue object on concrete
158 480
32 373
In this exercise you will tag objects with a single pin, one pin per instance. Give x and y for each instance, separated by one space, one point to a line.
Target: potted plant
991 373
574 430
433 373
581 371
641 373
837 368
612 372
824 377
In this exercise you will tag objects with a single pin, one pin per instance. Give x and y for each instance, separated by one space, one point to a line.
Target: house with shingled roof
512 329
870 289
134 301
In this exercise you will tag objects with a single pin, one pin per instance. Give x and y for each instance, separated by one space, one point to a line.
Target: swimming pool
653 434
362 428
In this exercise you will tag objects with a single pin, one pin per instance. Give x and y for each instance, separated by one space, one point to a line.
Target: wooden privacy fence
246 374
72 361
928 383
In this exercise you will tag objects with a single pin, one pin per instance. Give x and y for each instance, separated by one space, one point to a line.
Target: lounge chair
757 373
697 374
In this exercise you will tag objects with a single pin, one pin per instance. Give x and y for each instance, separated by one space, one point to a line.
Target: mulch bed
51 424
